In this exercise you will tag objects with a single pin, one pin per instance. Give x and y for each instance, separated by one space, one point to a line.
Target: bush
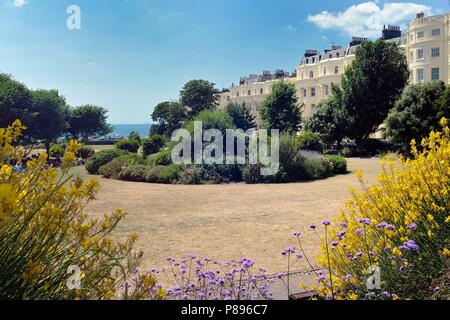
339 164
129 145
210 174
153 144
85 152
57 151
136 173
251 174
400 224
101 158
112 169
169 174
47 231
162 158
318 168
311 141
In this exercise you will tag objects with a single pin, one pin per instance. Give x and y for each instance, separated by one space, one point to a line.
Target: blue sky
131 54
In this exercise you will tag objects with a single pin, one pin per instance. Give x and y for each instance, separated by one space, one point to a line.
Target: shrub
162 158
44 230
85 152
251 174
101 158
112 169
209 174
129 145
169 174
57 151
136 173
153 144
317 168
339 164
400 225
311 141
135 136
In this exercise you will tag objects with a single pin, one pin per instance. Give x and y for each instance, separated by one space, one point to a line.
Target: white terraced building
426 45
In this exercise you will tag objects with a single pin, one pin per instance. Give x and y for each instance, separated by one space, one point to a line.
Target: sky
129 55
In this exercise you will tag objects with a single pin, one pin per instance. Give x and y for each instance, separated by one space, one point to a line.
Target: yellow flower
8 201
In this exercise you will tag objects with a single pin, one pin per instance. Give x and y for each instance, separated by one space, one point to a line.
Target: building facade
426 45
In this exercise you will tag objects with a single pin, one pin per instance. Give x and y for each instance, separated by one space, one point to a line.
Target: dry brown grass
225 222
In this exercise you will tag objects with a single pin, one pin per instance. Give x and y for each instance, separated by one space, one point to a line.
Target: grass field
225 222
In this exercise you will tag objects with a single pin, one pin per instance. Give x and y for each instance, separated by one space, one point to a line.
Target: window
337 54
330 56
313 60
237 94
327 90
324 71
313 108
311 74
261 91
313 92
436 32
434 73
420 54
304 93
411 55
420 75
336 70
435 52
412 37
420 35
303 75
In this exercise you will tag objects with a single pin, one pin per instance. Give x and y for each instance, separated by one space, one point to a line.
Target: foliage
87 121
112 169
199 95
168 116
339 163
135 136
57 151
49 111
162 158
401 224
153 144
328 120
85 152
251 174
317 168
44 231
101 158
210 174
169 174
280 109
241 116
417 112
136 173
370 86
129 145
310 141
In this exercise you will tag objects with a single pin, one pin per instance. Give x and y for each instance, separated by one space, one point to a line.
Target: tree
371 85
49 120
135 136
199 95
87 121
241 115
328 120
418 112
168 116
152 144
280 109
15 101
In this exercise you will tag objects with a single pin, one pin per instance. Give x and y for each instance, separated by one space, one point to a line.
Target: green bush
317 168
101 158
169 174
57 151
339 164
129 145
210 174
162 158
311 141
85 152
251 174
153 144
112 169
136 173
135 136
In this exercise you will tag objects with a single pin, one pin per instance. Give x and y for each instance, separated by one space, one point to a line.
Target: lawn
225 222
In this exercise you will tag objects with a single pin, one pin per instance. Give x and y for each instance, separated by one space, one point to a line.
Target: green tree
168 116
241 115
153 144
371 85
418 112
329 120
280 109
87 121
135 136
199 95
49 122
15 101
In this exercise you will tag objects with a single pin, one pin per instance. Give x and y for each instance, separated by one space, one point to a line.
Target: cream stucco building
426 44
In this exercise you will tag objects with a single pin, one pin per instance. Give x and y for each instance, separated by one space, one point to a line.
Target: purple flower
288 250
334 244
387 249
359 231
296 234
412 245
412 226
299 255
359 254
312 226
390 227
382 225
366 221
343 224
342 233
348 276
326 222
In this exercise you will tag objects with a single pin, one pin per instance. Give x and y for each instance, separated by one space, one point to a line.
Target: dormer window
311 74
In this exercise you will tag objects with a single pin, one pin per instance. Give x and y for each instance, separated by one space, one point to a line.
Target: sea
123 130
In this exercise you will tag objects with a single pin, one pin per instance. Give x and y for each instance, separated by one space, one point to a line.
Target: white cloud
18 3
367 18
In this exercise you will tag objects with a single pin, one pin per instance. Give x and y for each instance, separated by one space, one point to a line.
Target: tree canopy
280 109
168 116
87 121
241 115
199 95
15 101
